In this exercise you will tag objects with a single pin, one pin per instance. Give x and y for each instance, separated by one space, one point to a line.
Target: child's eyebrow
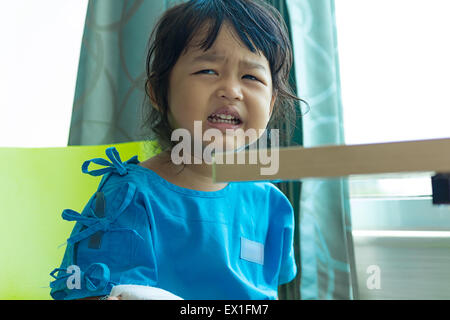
213 57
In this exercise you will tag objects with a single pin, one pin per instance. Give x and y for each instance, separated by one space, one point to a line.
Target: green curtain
110 81
326 248
292 189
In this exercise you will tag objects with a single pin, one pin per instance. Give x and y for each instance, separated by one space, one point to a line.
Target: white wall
41 43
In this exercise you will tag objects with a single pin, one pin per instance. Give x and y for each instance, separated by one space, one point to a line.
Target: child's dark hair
254 21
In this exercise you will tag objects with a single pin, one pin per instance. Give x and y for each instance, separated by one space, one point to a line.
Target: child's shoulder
266 187
114 171
275 198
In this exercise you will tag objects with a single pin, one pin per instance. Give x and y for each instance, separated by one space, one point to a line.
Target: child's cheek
173 123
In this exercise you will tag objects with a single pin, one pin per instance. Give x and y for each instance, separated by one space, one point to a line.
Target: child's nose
230 89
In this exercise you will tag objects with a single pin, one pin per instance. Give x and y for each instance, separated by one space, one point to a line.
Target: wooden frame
344 160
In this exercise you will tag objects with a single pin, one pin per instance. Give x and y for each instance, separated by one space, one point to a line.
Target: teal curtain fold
292 189
110 81
326 248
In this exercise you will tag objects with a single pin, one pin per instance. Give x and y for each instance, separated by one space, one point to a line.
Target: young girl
224 64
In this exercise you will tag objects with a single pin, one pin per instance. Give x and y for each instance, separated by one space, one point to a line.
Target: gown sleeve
111 242
288 269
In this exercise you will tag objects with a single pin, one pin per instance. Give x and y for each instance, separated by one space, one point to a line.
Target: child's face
199 87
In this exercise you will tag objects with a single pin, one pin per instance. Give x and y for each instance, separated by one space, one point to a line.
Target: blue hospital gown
138 228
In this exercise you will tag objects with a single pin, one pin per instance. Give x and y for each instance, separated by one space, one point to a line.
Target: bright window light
401 234
395 69
41 43
395 77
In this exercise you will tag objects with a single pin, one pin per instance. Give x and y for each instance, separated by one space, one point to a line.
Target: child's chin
228 145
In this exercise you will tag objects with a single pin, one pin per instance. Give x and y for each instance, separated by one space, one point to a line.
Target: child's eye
206 71
210 71
252 77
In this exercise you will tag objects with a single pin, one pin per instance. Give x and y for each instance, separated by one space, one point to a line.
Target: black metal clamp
440 183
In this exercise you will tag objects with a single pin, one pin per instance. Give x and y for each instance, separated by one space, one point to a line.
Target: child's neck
190 176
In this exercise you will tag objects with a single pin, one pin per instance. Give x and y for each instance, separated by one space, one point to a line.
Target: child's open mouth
224 121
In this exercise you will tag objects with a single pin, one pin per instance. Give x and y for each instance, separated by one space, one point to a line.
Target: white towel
137 292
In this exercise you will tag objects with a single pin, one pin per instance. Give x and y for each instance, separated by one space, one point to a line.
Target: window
41 43
395 69
395 77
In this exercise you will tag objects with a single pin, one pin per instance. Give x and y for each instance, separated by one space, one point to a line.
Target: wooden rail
342 160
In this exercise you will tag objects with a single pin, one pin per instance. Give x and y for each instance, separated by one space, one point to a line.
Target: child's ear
272 102
151 94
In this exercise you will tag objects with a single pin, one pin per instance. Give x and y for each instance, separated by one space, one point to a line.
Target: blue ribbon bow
95 277
116 163
94 223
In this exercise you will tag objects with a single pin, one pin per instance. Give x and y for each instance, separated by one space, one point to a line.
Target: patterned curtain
110 82
326 247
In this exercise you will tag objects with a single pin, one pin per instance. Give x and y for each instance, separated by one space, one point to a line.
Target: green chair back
37 184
